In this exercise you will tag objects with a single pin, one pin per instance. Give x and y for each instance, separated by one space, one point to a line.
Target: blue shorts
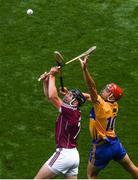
101 154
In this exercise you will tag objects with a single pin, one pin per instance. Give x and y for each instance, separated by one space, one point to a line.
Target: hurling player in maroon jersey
65 160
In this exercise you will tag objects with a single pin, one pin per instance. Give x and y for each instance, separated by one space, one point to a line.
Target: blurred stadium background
27 43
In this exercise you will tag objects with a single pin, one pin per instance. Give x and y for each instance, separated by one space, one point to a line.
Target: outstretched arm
89 80
45 78
52 90
45 86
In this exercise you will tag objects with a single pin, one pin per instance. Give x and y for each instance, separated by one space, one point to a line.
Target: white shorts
65 161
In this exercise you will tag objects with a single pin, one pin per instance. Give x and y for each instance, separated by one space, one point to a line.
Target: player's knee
91 175
135 172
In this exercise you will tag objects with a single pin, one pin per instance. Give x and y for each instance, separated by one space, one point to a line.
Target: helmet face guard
76 95
113 92
107 94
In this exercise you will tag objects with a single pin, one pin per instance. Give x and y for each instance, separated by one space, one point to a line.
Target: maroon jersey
67 127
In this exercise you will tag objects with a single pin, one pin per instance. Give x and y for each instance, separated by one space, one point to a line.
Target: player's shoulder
101 104
100 100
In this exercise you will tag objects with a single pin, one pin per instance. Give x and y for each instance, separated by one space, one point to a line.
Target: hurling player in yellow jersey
105 145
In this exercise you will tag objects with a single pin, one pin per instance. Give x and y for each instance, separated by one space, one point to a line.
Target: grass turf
27 44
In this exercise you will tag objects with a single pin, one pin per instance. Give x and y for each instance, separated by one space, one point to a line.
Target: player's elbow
56 101
52 97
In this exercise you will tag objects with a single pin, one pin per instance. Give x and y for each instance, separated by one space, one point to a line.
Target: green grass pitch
27 43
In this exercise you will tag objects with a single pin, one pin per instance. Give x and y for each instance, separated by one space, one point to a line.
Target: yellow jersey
102 120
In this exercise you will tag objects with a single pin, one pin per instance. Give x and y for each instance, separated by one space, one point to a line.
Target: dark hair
77 94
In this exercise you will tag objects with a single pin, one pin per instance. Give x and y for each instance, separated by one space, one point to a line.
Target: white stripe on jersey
68 106
60 128
68 140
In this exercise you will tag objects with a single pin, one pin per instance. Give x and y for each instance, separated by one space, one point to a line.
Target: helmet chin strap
109 98
71 103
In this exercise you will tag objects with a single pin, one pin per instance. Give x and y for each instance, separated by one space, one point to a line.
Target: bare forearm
49 87
88 78
52 90
91 85
45 88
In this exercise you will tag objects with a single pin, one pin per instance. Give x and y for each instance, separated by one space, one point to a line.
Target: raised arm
52 90
89 80
45 86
